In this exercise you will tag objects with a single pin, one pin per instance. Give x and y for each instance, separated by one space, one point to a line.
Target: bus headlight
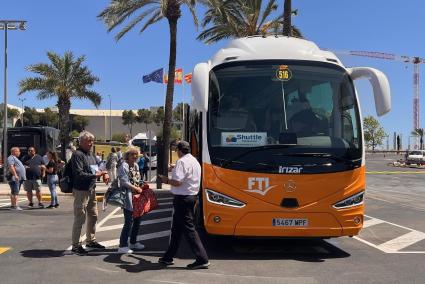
354 200
221 199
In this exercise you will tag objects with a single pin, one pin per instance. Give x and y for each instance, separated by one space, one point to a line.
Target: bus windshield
263 115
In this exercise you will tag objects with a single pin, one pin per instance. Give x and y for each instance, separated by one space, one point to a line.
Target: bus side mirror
380 85
200 81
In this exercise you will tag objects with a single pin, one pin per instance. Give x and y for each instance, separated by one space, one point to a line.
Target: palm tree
144 116
155 10
238 18
420 133
64 78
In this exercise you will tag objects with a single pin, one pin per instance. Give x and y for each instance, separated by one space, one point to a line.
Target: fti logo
260 185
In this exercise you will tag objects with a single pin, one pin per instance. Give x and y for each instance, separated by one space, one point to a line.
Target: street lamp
7 25
110 118
22 110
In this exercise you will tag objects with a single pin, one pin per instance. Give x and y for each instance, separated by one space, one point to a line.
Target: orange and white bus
276 125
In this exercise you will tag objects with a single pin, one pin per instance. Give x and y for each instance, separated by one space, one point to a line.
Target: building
100 121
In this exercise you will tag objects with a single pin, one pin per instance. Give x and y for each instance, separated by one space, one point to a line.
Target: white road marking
165 198
144 237
147 222
153 179
397 244
402 242
372 222
153 211
8 203
134 252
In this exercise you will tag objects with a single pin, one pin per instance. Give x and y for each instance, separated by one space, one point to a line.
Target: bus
42 138
276 125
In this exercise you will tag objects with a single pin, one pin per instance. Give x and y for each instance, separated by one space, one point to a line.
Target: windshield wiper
259 148
320 155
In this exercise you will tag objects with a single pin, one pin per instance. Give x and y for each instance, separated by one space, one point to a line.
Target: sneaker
40 205
137 246
125 250
198 265
56 205
79 250
16 208
31 204
165 261
50 206
94 245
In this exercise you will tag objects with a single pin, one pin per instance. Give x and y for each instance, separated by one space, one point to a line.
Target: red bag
144 202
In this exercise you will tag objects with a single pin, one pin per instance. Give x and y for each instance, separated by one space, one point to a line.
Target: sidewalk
100 188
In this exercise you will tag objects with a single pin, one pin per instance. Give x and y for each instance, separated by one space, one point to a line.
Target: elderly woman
129 179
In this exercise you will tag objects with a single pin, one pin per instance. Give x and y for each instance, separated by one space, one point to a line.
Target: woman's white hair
130 150
85 135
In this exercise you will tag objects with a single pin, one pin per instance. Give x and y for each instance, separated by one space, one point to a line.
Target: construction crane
407 59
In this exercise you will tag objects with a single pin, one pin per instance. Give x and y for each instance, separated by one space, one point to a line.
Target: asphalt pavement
34 244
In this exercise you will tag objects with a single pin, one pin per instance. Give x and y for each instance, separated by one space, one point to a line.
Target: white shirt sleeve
178 172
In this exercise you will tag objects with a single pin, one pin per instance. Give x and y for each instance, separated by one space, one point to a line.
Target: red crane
407 59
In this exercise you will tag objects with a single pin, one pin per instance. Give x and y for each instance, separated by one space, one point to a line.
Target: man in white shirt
185 182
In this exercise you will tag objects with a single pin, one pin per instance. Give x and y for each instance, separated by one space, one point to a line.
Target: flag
178 76
155 76
188 78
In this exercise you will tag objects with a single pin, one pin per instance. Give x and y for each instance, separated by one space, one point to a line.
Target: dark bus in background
43 138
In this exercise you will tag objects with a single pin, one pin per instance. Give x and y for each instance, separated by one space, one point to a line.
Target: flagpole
183 125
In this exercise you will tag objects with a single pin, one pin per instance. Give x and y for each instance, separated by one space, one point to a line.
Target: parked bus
43 138
276 125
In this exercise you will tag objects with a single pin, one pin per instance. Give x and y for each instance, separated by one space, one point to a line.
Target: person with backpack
111 164
85 171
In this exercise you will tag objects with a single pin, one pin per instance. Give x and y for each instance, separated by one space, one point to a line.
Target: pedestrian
85 171
141 163
146 165
17 176
119 153
35 167
185 183
111 164
52 178
129 179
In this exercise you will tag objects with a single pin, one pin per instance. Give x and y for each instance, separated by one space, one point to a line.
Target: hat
183 145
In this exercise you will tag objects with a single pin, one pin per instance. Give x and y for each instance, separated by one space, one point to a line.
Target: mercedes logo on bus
290 186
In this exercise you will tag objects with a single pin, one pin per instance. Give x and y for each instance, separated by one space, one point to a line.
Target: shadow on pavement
42 253
140 266
305 250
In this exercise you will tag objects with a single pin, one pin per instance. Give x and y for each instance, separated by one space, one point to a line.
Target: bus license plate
283 222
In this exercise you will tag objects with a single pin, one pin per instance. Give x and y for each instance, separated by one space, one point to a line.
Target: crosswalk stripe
402 242
372 222
165 198
153 211
8 203
148 222
144 237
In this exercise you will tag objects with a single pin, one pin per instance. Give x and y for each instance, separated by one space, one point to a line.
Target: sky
389 26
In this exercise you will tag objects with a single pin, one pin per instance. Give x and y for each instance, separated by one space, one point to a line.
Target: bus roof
272 47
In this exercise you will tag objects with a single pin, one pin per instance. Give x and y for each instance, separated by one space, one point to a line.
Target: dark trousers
131 227
184 206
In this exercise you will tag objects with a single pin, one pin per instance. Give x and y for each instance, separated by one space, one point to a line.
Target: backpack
65 183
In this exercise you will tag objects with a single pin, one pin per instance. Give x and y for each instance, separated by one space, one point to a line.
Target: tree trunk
287 13
169 97
64 106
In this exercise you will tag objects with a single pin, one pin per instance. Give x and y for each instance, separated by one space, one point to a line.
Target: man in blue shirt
17 171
